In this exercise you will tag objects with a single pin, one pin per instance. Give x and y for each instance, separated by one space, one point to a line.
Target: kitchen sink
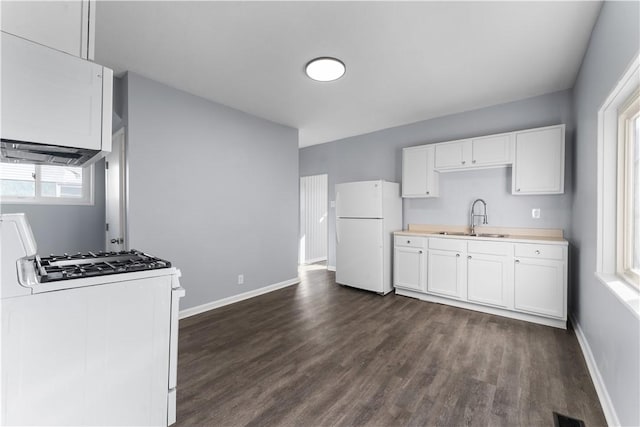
461 233
489 235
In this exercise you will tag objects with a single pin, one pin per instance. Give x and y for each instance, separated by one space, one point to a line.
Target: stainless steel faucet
474 215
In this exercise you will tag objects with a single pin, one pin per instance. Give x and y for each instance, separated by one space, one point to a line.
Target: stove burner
64 267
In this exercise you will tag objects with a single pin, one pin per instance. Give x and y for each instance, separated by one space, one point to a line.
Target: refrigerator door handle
338 231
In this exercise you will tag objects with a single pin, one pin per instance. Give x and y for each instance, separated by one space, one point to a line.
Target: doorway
313 219
115 170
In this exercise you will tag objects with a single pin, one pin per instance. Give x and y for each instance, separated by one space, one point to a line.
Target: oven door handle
176 294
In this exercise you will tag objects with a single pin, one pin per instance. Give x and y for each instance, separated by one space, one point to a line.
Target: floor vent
560 420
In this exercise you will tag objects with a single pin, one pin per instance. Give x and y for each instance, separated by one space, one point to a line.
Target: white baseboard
601 389
331 267
192 311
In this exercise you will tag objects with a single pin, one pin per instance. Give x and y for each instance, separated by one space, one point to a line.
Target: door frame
300 220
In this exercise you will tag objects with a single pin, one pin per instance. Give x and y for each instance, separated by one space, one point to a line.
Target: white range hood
56 108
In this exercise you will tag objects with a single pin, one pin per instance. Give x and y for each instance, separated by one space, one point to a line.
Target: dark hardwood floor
318 354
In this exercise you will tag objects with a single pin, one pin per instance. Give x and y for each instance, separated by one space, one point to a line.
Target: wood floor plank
319 354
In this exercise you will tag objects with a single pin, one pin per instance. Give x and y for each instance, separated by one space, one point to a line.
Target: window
618 222
45 184
628 221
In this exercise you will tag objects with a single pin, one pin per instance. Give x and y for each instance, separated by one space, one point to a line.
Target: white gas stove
87 339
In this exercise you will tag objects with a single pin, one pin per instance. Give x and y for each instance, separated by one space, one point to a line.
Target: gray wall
58 229
378 155
212 189
612 331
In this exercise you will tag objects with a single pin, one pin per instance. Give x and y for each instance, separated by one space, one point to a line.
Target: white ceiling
406 61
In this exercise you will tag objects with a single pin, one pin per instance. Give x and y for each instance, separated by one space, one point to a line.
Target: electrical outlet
240 279
535 213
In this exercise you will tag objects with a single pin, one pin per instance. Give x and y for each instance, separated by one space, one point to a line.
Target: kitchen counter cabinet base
526 281
556 323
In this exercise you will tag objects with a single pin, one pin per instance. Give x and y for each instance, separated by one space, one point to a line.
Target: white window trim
87 199
628 111
607 204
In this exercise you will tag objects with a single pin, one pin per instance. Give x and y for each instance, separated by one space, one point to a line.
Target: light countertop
514 235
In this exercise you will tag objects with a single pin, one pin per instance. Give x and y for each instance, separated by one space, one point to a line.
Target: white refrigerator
367 214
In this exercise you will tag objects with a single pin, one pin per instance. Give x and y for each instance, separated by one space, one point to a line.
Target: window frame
87 199
628 113
607 234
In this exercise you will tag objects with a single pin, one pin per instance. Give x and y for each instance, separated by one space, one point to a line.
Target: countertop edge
513 239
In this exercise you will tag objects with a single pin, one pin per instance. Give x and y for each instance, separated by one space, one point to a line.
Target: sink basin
460 233
490 235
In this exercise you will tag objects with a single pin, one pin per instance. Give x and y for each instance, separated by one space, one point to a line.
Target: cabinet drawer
540 251
410 241
448 244
490 248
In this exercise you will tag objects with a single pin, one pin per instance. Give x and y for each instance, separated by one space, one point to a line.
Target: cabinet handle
518 189
458 255
537 252
517 261
473 161
419 252
427 192
469 257
463 162
408 241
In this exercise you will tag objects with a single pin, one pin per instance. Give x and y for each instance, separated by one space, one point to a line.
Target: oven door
177 292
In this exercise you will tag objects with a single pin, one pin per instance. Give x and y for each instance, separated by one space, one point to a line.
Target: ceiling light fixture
325 69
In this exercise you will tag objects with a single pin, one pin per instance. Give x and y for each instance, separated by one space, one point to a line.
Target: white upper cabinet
492 150
419 179
453 155
537 157
63 25
49 97
538 166
483 152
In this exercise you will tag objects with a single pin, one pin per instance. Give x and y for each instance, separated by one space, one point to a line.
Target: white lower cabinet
445 273
409 268
508 278
409 263
539 286
446 267
488 279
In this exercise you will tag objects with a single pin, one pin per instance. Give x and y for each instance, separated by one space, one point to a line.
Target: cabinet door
419 178
538 166
491 150
445 275
488 279
453 155
61 25
408 268
50 97
539 287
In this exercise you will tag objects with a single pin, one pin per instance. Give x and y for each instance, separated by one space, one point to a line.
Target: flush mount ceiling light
325 69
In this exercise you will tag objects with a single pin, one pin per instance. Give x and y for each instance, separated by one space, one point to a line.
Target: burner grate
64 267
